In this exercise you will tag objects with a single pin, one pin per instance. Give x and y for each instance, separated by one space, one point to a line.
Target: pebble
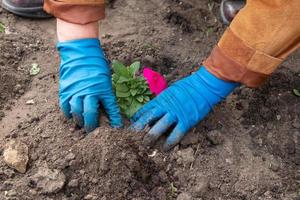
16 155
73 183
184 196
21 91
32 192
10 193
30 102
274 164
70 156
90 197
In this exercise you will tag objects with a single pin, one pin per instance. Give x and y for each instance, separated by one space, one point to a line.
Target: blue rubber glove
182 106
85 81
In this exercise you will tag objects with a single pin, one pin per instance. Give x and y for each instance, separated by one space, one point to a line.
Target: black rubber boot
26 8
229 9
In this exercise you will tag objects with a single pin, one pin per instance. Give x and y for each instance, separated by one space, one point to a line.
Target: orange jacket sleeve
76 11
258 40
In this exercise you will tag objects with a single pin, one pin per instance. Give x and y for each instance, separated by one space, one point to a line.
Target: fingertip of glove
89 129
148 140
167 147
117 126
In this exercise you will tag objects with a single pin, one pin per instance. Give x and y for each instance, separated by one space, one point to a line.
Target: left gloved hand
182 105
85 82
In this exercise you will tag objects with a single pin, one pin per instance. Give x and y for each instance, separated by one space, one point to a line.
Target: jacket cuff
233 60
78 12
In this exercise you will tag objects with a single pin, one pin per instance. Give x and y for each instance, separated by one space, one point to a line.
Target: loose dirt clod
122 167
16 155
215 137
48 181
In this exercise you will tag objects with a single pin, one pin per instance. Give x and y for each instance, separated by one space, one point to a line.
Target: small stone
184 196
21 91
16 155
274 164
45 136
72 129
70 156
73 183
32 192
30 102
90 197
197 40
278 117
49 181
11 193
215 137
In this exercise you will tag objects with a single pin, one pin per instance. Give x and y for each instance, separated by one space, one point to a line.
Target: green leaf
296 92
122 79
133 108
34 69
140 98
115 77
122 87
122 94
2 28
146 98
133 92
134 68
120 69
148 92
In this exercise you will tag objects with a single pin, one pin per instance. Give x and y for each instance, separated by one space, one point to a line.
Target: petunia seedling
132 90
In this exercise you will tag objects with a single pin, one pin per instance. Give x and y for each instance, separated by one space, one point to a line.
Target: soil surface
248 148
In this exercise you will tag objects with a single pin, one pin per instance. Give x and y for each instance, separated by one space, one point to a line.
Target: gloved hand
85 81
182 106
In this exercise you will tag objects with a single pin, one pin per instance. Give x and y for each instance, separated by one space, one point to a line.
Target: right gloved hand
181 106
85 81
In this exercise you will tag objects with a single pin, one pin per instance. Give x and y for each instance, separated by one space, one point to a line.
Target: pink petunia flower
157 83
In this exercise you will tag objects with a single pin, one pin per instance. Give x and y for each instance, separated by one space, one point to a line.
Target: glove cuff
82 53
215 85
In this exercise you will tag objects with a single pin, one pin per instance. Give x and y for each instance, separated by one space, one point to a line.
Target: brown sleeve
258 40
76 11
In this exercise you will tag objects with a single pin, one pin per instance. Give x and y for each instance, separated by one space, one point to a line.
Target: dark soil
248 148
